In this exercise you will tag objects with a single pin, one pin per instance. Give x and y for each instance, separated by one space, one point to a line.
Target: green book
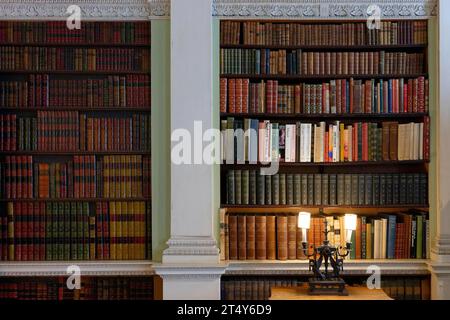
86 236
419 242
230 187
340 189
245 187
79 215
304 183
252 187
67 232
73 231
368 189
268 189
310 189
317 189
325 189
347 189
376 189
297 188
238 186
61 231
355 189
282 188
333 186
276 189
260 183
290 189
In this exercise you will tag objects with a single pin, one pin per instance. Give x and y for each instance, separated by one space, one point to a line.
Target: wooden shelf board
351 267
370 210
71 72
326 164
88 268
74 44
408 47
363 116
81 109
129 199
71 153
320 77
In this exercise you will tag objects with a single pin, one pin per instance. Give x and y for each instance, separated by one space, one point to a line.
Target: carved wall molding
224 9
87 268
90 9
322 9
191 246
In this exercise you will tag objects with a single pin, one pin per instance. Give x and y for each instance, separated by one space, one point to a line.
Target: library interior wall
160 80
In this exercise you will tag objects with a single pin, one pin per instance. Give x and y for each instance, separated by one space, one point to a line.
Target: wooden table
354 293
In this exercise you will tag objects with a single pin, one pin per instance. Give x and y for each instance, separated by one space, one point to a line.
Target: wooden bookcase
300 267
129 35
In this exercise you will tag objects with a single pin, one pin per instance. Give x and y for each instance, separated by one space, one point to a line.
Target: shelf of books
329 118
75 160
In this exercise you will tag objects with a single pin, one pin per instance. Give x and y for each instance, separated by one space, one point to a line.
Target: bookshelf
276 51
110 84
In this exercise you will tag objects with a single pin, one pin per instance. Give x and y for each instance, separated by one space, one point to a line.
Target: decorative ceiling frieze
323 9
223 9
90 9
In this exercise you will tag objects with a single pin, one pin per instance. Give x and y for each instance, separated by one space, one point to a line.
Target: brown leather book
393 141
242 237
386 141
282 238
292 237
250 224
233 233
271 237
260 237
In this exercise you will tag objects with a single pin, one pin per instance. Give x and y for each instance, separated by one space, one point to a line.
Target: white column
190 265
440 264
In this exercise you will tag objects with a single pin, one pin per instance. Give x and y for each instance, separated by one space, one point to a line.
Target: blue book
381 97
347 94
391 234
258 62
390 97
267 61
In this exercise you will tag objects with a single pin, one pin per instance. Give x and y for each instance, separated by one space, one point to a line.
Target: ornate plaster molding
402 267
87 268
191 246
90 9
322 9
190 271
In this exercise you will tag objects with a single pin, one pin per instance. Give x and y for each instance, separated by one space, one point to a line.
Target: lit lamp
326 282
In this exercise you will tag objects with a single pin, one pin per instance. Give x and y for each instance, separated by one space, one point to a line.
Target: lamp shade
350 222
304 220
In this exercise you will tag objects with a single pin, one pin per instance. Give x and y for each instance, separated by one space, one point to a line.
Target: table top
354 293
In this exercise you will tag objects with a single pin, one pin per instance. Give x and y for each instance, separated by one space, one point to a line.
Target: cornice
90 9
87 268
322 9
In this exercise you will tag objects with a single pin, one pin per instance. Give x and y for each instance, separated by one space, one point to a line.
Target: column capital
191 249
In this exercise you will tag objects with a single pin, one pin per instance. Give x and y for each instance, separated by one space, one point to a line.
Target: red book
105 231
245 95
99 227
326 146
31 236
365 142
421 94
232 95
17 209
405 98
355 142
269 96
410 96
